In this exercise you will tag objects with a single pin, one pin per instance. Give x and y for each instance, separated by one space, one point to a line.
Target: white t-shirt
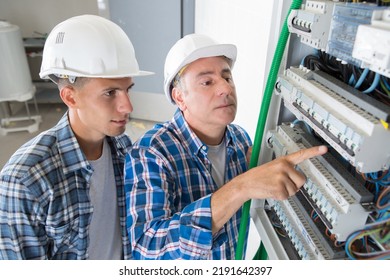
105 238
217 156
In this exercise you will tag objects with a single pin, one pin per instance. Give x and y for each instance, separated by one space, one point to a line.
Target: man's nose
224 87
124 104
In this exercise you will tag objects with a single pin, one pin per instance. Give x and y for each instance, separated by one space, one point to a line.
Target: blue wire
362 78
303 59
374 84
351 80
377 190
382 212
386 177
309 129
373 178
352 236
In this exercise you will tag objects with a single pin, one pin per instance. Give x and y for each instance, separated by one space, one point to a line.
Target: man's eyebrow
224 71
200 74
117 88
110 88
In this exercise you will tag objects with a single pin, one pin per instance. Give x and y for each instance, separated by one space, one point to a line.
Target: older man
187 179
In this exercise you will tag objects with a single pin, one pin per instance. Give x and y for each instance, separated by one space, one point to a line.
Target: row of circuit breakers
353 124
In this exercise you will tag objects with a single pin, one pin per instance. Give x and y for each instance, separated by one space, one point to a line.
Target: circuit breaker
339 96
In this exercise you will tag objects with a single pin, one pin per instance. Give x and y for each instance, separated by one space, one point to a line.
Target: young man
187 179
61 194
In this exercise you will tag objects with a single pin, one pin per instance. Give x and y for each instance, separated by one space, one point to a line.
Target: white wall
249 24
253 26
42 15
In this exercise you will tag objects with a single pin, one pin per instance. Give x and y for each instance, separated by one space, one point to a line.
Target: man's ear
178 97
67 95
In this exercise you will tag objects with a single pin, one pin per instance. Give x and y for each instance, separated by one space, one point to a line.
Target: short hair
78 83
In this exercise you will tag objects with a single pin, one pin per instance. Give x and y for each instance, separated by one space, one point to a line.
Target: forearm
277 179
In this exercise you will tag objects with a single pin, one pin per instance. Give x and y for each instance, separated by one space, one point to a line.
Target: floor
50 114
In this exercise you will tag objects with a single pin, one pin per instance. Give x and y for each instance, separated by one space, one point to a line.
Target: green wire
384 87
272 76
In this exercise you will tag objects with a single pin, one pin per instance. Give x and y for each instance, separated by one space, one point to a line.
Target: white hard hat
188 49
89 46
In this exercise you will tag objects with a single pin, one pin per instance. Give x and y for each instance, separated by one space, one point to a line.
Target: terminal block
353 126
340 200
308 241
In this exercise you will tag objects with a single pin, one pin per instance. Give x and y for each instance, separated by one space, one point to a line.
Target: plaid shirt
45 209
168 185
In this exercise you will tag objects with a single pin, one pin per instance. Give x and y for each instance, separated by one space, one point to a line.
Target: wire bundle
371 242
365 80
378 183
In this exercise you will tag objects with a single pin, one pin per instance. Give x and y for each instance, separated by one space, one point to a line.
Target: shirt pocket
66 241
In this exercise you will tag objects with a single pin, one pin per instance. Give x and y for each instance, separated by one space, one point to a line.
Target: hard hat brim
46 74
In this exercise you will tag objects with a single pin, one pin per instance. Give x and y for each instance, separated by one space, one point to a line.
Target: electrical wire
351 248
384 80
374 84
361 78
384 86
307 126
383 196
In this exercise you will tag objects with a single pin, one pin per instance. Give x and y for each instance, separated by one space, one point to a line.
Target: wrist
238 189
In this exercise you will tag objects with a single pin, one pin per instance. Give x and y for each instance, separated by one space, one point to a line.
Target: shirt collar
70 152
191 139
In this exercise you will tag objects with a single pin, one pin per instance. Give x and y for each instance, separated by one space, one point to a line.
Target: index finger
301 155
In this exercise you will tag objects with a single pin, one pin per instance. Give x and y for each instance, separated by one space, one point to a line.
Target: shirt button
204 148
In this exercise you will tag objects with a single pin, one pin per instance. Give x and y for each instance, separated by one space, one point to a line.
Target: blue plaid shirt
45 209
168 185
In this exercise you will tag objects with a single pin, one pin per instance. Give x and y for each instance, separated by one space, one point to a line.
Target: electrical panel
352 130
339 96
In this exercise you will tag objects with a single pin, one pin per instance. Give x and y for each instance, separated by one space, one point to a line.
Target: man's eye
110 93
206 83
130 87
